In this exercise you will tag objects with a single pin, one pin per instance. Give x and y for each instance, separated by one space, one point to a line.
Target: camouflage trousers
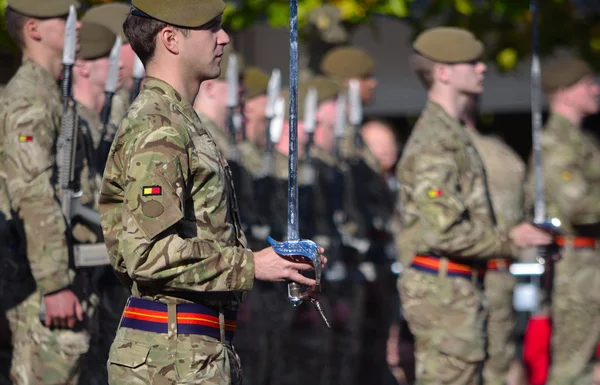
575 316
141 358
42 355
447 318
499 286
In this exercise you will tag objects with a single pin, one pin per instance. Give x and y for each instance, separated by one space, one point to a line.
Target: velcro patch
25 138
434 193
149 191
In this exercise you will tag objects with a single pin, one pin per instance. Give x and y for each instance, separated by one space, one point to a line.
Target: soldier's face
128 59
256 122
202 49
325 131
367 89
382 144
467 77
99 72
52 33
584 95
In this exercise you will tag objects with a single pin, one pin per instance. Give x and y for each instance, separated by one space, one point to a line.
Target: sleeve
153 250
569 187
29 154
448 227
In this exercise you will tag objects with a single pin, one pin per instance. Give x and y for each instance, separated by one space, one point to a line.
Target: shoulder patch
149 191
434 193
25 138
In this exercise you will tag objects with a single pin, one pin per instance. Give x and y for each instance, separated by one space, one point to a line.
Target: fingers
78 311
300 266
299 278
71 321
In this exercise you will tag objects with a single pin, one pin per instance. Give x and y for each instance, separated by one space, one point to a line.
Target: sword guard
310 251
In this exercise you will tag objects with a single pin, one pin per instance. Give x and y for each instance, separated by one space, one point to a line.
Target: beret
181 13
448 45
44 8
327 88
347 63
96 41
111 15
563 73
256 82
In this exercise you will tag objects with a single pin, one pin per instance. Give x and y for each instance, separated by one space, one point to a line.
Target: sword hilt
308 250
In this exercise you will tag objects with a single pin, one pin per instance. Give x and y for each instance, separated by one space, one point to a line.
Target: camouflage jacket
168 206
444 202
571 164
30 112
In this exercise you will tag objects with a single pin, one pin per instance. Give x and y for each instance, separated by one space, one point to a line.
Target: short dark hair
141 33
14 22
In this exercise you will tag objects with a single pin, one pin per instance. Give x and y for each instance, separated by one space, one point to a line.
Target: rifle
110 88
294 246
138 76
310 119
356 114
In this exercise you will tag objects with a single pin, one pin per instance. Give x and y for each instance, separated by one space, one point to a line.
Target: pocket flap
129 355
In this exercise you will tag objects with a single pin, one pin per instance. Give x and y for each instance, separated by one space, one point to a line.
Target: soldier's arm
448 228
29 151
151 246
568 186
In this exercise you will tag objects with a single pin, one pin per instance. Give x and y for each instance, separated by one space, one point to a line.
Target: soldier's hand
527 235
62 309
270 266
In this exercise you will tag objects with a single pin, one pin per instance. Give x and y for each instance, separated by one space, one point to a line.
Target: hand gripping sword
294 246
138 76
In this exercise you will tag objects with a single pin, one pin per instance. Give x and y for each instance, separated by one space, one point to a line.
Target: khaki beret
227 52
181 13
347 63
327 88
110 15
96 41
44 8
563 73
448 45
256 82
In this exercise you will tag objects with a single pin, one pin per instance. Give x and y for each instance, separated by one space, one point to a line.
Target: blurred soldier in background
505 172
572 194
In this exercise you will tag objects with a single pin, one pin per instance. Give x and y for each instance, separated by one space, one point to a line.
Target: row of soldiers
346 204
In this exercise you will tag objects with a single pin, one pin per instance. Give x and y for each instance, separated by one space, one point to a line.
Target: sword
310 118
110 87
232 103
356 113
138 76
340 123
294 246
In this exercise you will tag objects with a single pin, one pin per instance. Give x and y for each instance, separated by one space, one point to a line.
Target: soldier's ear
169 38
441 72
82 67
31 29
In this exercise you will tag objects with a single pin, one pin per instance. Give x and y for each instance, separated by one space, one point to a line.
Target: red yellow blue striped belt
192 318
432 264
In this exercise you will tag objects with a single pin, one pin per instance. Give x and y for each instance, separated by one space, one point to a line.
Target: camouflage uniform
29 127
446 211
572 192
162 143
506 179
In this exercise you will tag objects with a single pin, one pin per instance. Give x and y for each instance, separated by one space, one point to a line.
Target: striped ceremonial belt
192 318
432 264
578 242
499 264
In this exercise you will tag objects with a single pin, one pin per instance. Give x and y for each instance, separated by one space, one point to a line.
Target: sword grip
295 293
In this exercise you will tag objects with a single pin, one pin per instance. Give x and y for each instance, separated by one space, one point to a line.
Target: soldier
182 250
572 191
505 172
448 226
30 117
112 16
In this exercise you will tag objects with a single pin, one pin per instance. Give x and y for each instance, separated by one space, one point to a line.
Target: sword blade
536 117
113 70
293 232
70 46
